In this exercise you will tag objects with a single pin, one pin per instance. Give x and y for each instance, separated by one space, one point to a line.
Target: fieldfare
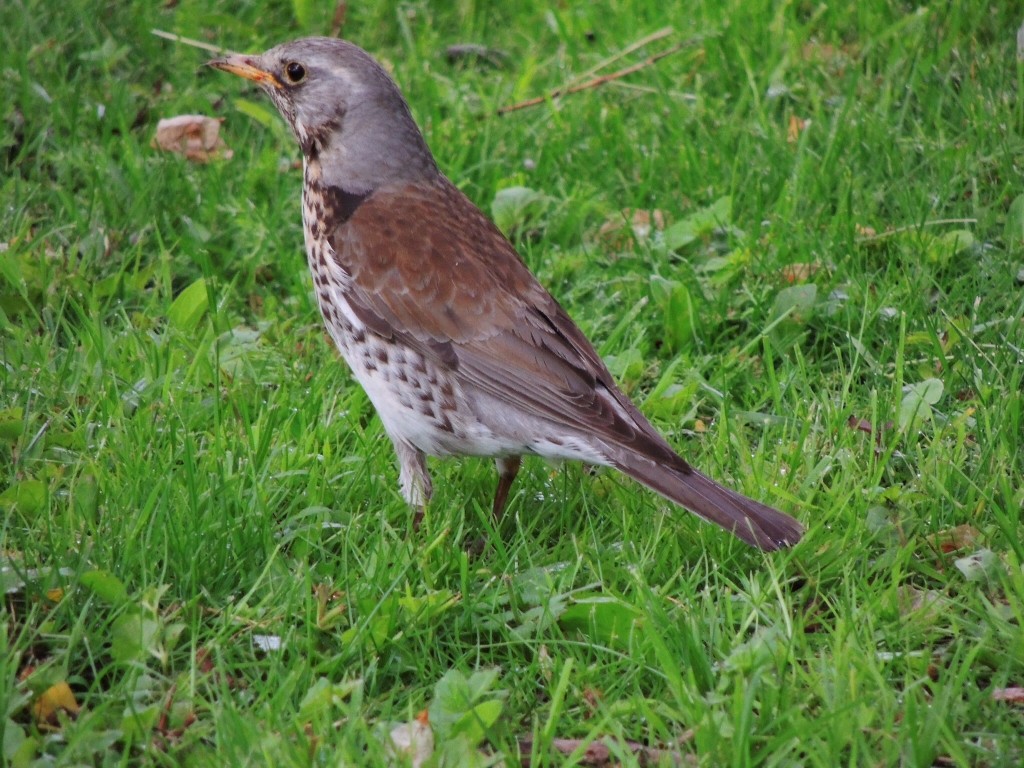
458 346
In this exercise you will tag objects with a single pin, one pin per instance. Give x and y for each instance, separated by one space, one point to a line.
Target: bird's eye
294 71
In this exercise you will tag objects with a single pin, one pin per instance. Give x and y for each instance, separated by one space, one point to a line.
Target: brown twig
338 22
593 83
634 46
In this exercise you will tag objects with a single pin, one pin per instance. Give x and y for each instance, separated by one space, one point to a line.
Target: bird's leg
413 479
508 468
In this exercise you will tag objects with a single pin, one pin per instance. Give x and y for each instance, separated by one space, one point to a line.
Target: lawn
798 242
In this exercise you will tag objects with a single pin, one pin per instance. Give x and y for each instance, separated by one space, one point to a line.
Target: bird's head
344 109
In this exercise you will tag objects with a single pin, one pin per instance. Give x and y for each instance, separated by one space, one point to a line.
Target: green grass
186 466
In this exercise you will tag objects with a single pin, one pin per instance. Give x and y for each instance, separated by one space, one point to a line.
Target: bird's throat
326 206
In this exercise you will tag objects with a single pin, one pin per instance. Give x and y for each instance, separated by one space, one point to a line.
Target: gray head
345 110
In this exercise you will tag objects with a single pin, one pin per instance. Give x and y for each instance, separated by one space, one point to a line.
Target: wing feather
463 297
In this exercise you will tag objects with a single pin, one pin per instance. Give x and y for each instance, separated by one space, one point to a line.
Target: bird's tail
757 524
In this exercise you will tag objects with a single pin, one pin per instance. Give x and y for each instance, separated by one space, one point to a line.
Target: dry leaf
204 663
816 52
267 643
980 566
413 741
799 273
56 698
630 225
1013 695
197 137
911 600
863 425
797 126
955 539
864 231
329 605
592 698
834 58
545 662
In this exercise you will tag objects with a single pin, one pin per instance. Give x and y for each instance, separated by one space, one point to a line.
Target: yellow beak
245 66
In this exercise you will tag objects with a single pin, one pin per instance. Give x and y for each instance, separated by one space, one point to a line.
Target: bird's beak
245 66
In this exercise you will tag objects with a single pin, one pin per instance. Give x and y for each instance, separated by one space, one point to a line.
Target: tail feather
755 523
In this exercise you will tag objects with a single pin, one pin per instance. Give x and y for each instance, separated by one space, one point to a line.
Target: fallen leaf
330 608
592 698
176 717
797 125
982 565
630 225
413 741
910 599
203 661
1013 695
861 425
546 664
56 698
815 52
197 137
266 643
799 273
954 539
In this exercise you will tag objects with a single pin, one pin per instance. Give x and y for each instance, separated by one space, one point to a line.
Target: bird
458 346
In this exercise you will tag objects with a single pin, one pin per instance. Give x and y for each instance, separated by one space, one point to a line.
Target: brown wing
454 288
